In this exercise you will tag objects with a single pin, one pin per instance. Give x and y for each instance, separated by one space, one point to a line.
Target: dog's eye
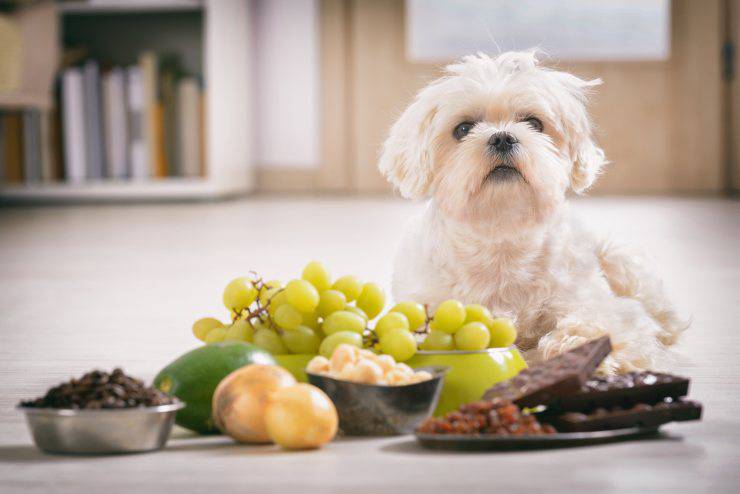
535 123
462 130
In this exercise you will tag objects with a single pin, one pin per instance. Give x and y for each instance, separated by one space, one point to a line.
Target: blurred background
180 99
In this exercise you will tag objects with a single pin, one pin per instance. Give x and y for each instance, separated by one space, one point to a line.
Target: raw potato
241 397
301 417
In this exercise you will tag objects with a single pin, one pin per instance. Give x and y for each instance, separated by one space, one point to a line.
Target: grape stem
369 338
427 320
261 309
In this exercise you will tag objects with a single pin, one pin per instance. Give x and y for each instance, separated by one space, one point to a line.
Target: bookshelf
218 48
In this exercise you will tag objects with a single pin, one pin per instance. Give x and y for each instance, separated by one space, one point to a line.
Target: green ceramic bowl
471 373
295 364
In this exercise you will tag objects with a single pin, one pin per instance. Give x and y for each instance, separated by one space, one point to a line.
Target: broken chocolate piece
624 391
548 381
642 415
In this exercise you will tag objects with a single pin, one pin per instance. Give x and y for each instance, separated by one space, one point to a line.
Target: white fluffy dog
498 144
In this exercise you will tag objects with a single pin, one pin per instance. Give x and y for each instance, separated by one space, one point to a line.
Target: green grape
399 344
215 335
349 286
239 294
202 326
270 341
311 320
472 336
317 274
371 300
258 324
240 330
390 321
413 311
503 332
343 320
438 341
287 317
449 317
269 288
476 312
356 310
331 301
302 295
301 340
276 301
334 340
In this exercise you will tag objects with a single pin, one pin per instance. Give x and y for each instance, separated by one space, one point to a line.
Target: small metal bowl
374 410
104 431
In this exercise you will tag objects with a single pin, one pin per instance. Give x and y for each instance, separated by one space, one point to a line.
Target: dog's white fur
509 243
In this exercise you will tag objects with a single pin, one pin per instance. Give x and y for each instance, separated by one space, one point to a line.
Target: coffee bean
98 389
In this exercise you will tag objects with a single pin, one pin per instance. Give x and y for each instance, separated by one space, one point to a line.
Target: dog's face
496 141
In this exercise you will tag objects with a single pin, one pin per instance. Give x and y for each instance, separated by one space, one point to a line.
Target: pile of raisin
497 416
99 389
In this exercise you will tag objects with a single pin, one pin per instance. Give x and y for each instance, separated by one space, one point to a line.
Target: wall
287 80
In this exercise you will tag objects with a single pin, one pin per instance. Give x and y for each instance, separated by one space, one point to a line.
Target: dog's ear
406 159
587 157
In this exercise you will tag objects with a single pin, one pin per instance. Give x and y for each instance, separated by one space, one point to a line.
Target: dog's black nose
502 142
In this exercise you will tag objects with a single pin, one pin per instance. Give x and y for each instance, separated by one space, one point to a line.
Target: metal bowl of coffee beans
101 413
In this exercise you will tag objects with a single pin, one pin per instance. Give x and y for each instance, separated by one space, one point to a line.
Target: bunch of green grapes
454 326
308 315
313 314
467 327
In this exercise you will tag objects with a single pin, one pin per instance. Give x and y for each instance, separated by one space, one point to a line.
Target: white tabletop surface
87 287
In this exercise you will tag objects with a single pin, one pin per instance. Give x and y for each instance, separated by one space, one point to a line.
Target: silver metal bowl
104 431
374 410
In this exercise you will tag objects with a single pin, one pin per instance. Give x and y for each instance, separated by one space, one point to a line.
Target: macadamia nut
367 371
318 365
343 355
349 363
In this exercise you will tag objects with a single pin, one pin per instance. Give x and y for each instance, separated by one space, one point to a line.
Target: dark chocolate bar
641 414
547 381
623 391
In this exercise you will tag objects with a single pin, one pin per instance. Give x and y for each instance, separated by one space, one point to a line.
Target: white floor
98 286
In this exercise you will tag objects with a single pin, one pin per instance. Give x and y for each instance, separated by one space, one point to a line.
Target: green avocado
194 376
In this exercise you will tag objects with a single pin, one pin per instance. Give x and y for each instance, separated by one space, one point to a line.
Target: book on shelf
25 155
153 114
135 111
46 147
189 127
12 147
168 95
74 125
202 129
31 146
116 128
2 150
124 123
93 121
12 157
